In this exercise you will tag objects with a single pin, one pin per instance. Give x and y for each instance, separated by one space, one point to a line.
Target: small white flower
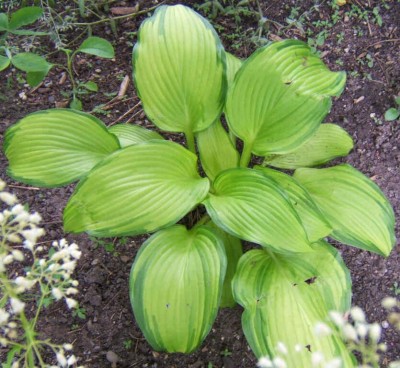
17 209
71 360
57 293
8 198
61 254
321 329
3 341
17 306
317 358
72 303
61 359
22 218
75 283
357 314
2 184
349 332
12 334
13 238
32 234
265 362
281 347
35 218
25 283
18 255
71 290
69 266
68 347
362 330
382 347
8 259
22 96
76 254
389 303
279 363
336 318
29 245
375 331
15 364
12 324
3 316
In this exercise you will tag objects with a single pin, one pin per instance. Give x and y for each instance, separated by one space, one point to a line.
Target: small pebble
112 357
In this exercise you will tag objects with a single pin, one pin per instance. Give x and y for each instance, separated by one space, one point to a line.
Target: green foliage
35 66
79 312
273 104
393 113
95 46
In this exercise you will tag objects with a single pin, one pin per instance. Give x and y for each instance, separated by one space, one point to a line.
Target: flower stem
190 141
246 155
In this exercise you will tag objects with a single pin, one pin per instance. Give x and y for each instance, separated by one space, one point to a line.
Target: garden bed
366 45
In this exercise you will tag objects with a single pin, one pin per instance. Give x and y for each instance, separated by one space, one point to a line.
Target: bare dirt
108 335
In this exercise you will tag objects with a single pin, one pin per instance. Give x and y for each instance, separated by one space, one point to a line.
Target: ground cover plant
47 278
275 105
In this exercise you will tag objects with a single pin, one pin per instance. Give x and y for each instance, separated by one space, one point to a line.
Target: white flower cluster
50 275
354 330
392 305
317 358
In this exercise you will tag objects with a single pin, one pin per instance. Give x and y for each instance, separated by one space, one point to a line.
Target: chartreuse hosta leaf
328 142
280 96
175 286
129 134
233 250
284 297
233 64
356 208
217 152
179 70
138 189
253 207
314 222
55 147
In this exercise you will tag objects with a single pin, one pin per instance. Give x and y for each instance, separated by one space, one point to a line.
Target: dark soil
109 332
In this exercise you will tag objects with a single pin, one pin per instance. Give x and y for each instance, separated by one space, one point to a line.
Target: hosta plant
202 199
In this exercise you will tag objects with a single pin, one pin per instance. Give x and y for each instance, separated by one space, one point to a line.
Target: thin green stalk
232 137
190 141
246 155
203 220
70 72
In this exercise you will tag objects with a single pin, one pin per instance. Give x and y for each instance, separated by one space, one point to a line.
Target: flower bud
389 303
8 198
336 318
16 305
349 332
72 303
375 331
357 314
